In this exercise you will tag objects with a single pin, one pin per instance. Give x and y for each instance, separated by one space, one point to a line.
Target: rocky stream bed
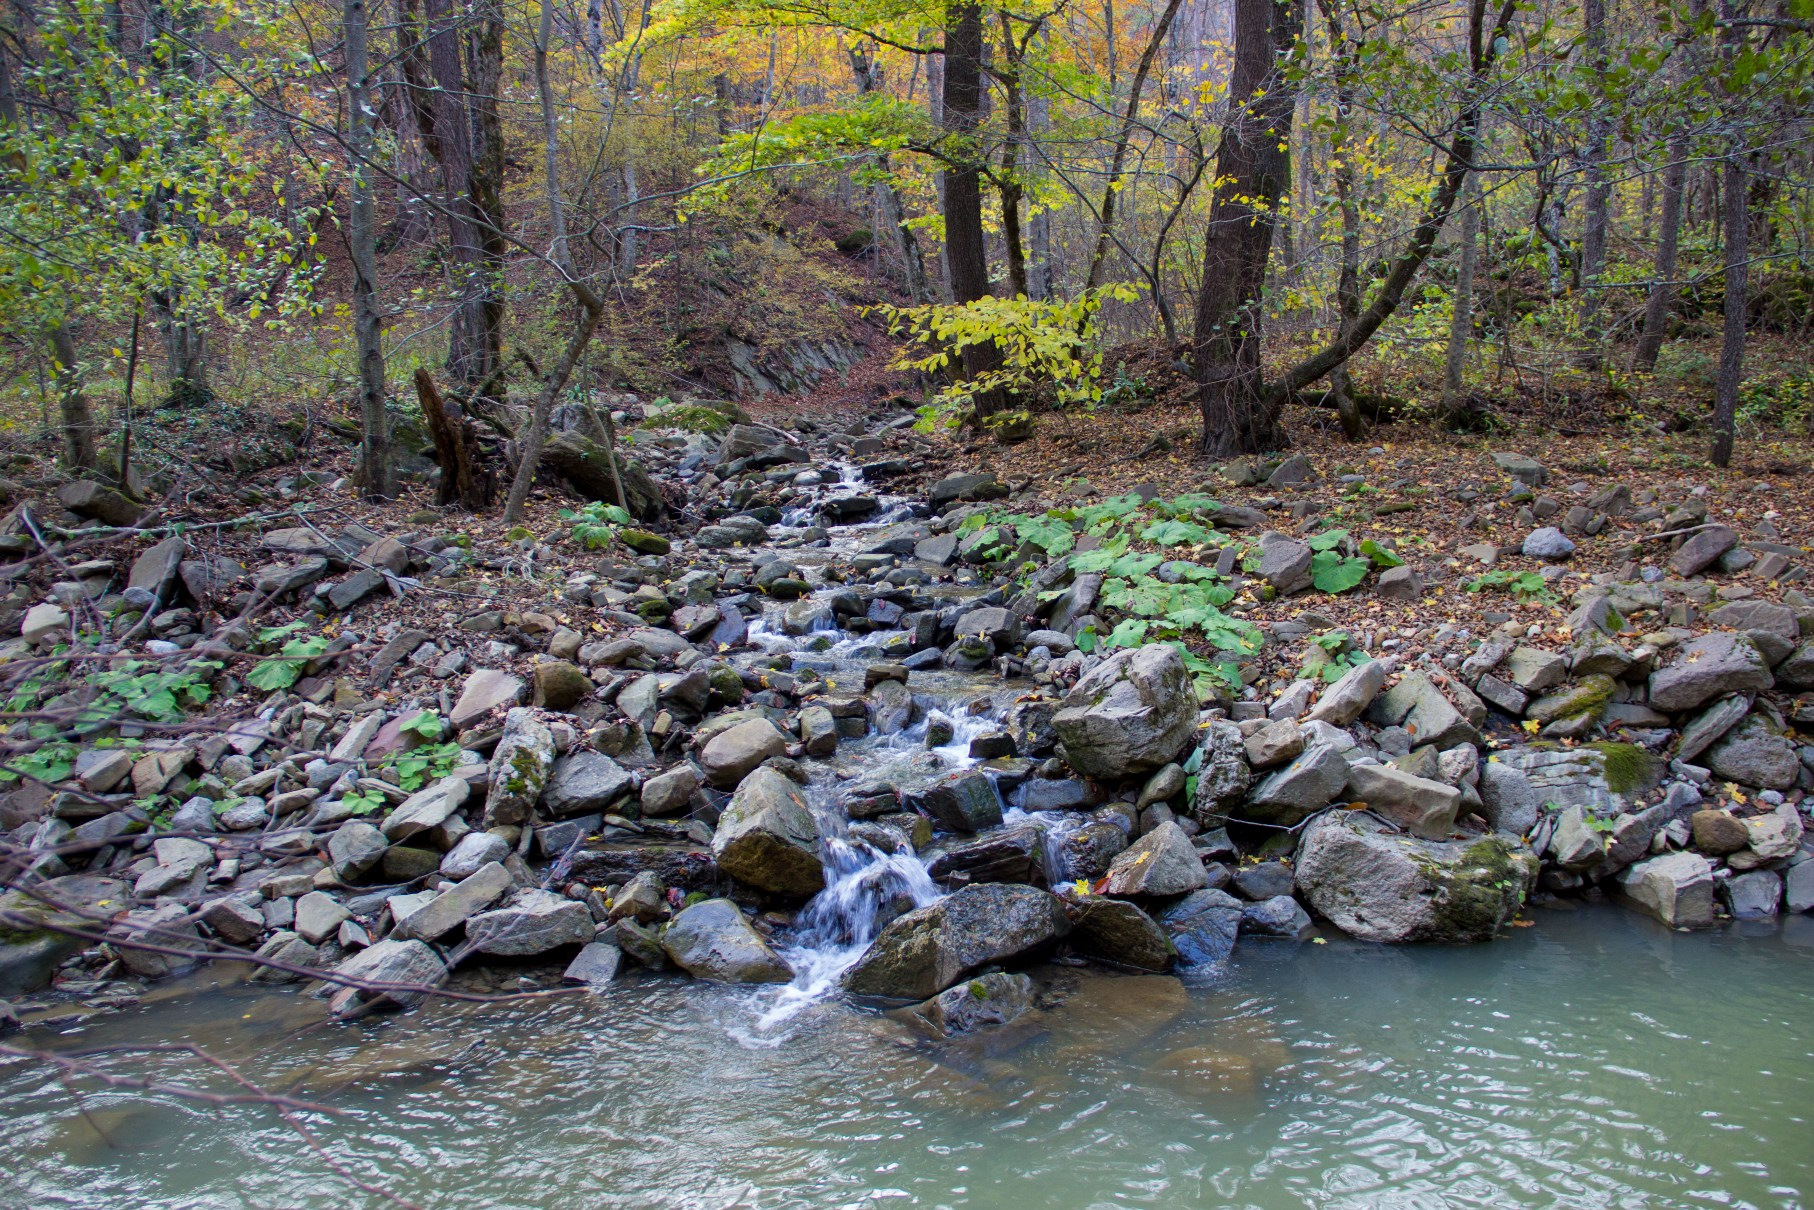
834 727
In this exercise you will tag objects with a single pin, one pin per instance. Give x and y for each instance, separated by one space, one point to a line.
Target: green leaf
271 675
1175 533
1329 539
1330 572
1382 558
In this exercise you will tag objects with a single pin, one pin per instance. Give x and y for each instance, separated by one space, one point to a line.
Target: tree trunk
592 307
1252 172
1736 219
1458 410
375 467
1599 194
77 415
1662 287
966 254
463 481
1341 156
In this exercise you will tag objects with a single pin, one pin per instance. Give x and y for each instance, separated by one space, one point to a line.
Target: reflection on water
1594 1060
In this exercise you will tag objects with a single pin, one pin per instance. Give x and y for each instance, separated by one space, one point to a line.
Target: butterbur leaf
1329 539
1382 558
1175 533
1330 572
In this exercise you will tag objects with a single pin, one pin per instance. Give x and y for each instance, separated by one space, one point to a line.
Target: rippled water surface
1590 1060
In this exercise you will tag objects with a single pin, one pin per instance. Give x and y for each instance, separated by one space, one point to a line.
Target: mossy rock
1628 768
644 542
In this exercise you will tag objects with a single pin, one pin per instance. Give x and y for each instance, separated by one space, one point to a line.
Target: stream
1595 1059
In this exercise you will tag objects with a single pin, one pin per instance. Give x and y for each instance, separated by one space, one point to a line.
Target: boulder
1203 926
669 793
1754 896
441 914
965 801
1706 668
1348 698
1754 754
1120 934
1131 714
583 782
767 838
388 962
1279 916
993 999
1163 862
427 808
927 950
712 941
1676 888
729 755
1702 550
1548 543
1285 563
533 922
1380 886
484 691
1508 801
560 686
519 769
1426 808
1305 786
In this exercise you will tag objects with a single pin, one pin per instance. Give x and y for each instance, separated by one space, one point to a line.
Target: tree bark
1341 156
1735 217
463 481
377 475
966 253
76 413
1599 194
1252 173
1458 410
1662 287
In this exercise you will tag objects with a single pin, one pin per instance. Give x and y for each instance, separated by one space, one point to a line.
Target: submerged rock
927 950
1379 886
996 998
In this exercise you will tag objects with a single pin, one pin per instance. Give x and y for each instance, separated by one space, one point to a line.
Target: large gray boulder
1315 779
519 769
1754 754
583 782
927 950
713 941
728 756
1160 863
1378 885
987 1000
1348 698
1120 934
1508 801
1223 777
533 922
767 837
408 963
1676 888
1706 668
1426 808
1129 715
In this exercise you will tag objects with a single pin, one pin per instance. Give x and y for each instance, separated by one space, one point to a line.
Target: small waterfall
864 889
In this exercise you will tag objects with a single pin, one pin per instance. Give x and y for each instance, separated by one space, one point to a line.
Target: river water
1594 1059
